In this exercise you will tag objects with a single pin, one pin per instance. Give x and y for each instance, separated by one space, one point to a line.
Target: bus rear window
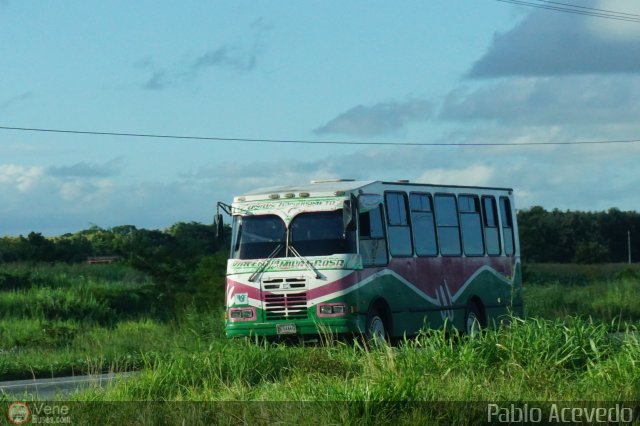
507 226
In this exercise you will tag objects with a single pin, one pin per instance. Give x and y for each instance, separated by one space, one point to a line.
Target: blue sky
463 71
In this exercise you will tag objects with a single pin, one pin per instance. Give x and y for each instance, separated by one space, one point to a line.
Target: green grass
559 353
34 348
15 276
81 301
576 275
531 360
75 319
612 302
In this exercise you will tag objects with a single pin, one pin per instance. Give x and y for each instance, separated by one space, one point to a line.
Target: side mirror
218 224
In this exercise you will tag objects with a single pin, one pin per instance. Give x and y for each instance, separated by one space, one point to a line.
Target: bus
381 259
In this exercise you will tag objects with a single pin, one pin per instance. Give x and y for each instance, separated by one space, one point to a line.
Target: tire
473 321
376 328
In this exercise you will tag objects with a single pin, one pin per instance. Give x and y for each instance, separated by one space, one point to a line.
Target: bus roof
439 185
314 187
329 187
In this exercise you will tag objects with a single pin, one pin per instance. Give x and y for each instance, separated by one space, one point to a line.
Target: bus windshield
256 237
321 234
311 234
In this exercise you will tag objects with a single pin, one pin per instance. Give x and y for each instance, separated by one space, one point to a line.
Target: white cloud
474 175
616 30
53 203
548 43
379 119
548 101
24 178
84 169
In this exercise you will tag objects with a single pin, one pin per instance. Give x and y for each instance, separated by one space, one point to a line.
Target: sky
438 71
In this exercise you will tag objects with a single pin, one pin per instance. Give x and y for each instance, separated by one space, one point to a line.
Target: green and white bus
384 259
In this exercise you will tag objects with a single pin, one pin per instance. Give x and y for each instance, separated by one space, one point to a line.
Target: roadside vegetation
350 383
605 293
75 319
158 310
72 319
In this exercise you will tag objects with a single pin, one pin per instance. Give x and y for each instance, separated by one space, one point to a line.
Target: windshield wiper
264 264
306 261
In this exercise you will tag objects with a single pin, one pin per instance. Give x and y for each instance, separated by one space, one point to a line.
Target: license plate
286 328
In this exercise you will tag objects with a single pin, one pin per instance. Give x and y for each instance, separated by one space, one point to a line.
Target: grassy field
564 351
612 302
76 319
578 275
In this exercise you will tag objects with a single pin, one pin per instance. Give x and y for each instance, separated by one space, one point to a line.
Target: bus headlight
339 309
326 309
332 310
242 314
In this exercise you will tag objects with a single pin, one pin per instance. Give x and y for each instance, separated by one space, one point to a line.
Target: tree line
546 236
578 237
186 261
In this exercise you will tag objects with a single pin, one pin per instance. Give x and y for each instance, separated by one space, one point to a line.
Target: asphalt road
47 389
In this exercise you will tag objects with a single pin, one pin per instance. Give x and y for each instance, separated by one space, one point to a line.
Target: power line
613 12
578 10
311 142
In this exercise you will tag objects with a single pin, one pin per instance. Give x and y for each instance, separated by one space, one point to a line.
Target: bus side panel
432 292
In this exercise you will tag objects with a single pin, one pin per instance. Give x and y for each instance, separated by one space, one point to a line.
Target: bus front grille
284 283
287 306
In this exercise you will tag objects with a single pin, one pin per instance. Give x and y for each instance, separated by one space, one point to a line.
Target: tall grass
604 301
34 348
85 302
556 354
63 319
575 274
535 360
16 276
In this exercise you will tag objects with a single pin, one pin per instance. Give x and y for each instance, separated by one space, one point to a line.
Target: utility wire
613 12
313 142
617 16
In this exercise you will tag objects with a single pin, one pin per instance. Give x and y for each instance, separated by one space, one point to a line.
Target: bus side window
373 247
398 224
471 224
424 229
448 225
491 229
507 226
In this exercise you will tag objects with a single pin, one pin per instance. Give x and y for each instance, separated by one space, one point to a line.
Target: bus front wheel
472 320
376 328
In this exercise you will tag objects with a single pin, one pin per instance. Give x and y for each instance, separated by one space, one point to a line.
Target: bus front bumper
327 326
